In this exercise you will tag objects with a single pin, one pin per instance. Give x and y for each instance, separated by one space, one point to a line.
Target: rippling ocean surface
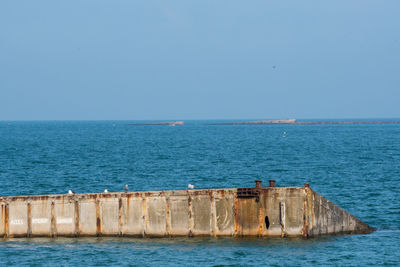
355 166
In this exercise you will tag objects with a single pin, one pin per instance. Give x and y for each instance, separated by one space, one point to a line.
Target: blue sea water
355 166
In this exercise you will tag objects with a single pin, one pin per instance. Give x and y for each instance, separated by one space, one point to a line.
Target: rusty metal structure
255 211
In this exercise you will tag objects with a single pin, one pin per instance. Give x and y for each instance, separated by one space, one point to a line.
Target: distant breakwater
270 122
168 123
295 122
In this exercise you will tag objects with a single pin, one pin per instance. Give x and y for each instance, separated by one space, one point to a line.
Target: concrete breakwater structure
255 211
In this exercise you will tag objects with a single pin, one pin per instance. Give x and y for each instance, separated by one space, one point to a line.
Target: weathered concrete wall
261 211
326 218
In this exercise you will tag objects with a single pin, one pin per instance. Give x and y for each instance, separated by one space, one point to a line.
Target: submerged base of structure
258 211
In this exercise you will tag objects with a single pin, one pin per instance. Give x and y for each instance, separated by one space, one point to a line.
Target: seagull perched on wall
70 192
190 186
126 188
105 190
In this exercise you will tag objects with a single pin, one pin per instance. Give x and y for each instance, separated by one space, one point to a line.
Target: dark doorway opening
266 222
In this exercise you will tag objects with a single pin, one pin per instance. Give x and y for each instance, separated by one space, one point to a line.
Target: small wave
388 230
279 170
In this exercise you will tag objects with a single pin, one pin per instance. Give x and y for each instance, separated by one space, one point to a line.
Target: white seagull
70 192
190 186
126 188
105 191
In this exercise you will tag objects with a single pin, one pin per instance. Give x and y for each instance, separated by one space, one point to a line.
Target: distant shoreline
269 122
295 122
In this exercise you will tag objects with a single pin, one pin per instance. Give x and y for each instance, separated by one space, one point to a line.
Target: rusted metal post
167 217
120 213
76 210
258 183
260 221
6 221
190 216
213 212
144 215
98 218
29 219
53 229
271 183
236 216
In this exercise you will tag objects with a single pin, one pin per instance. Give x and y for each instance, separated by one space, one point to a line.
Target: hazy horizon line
218 119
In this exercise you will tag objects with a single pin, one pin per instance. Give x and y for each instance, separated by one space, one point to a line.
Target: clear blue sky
116 59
